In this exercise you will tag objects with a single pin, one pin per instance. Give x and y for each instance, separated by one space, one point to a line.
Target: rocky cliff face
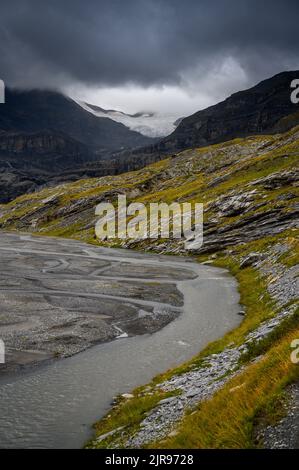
30 160
41 143
254 111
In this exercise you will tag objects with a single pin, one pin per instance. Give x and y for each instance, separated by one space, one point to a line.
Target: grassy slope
186 178
206 175
228 419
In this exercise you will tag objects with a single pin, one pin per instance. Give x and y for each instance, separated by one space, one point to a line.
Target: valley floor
236 389
59 297
235 386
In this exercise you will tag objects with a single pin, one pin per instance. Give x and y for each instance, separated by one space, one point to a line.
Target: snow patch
146 123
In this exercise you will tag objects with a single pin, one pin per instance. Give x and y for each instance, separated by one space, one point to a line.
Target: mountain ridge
265 108
38 110
44 133
257 110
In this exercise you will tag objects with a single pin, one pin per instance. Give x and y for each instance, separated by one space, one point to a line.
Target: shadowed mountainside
263 109
47 138
44 134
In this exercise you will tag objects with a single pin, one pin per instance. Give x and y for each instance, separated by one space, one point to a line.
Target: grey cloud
148 42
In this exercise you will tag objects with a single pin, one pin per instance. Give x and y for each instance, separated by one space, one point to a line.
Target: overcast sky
174 56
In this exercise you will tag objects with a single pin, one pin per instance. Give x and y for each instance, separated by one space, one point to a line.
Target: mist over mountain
35 111
44 134
46 137
263 109
254 111
148 123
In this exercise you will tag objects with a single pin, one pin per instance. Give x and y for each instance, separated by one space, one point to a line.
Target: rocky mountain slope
104 146
37 111
43 134
263 109
249 187
254 111
30 160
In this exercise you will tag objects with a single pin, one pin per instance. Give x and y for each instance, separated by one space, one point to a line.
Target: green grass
288 325
128 412
250 405
229 419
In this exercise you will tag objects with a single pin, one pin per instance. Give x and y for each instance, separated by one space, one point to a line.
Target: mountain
151 124
47 138
44 134
263 109
29 160
254 111
250 190
35 111
249 187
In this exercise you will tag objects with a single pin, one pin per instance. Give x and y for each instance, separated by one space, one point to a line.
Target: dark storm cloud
149 42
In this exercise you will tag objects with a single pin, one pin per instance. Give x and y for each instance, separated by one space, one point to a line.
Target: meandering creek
54 404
